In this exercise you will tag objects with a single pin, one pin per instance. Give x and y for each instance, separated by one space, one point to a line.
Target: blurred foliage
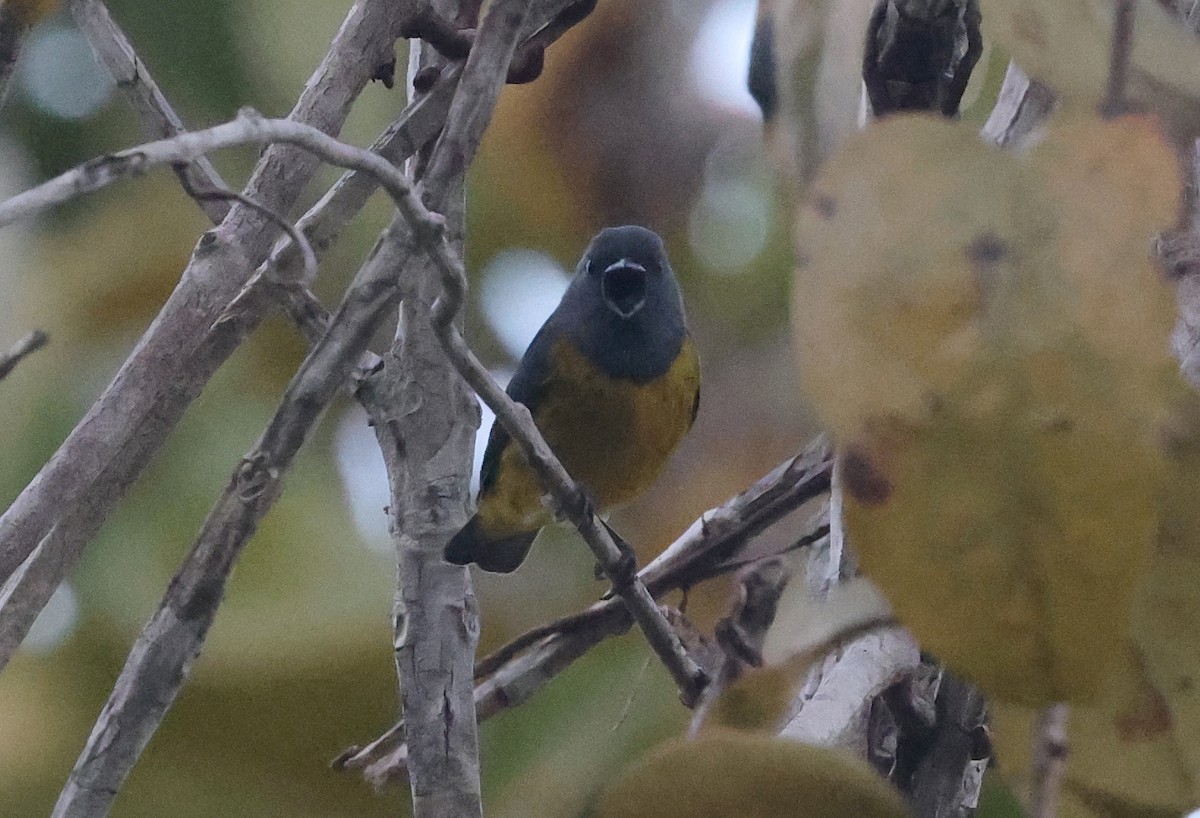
996 800
1068 44
298 665
986 334
1124 760
734 775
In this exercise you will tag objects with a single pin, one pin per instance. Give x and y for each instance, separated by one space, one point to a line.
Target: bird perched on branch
612 381
920 54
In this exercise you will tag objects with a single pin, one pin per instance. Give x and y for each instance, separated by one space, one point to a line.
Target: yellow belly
613 436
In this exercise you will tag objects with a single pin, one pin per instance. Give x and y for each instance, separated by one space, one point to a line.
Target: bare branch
427 449
720 534
711 546
28 345
947 782
741 633
1049 761
155 670
62 507
159 120
1023 106
249 127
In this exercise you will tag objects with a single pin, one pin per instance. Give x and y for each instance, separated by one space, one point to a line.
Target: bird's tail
500 556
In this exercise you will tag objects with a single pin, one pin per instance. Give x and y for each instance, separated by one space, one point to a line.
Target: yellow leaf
734 775
760 700
1122 759
1167 614
986 336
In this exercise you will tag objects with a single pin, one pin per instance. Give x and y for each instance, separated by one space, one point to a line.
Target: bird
612 381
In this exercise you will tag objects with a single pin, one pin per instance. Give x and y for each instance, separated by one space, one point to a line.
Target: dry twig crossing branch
249 127
427 446
50 523
23 348
116 53
714 544
156 667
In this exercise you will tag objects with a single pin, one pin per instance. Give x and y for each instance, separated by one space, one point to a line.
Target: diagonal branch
23 348
63 506
427 447
156 667
116 53
714 544
16 610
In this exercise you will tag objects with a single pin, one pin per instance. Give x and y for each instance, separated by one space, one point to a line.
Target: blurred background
641 117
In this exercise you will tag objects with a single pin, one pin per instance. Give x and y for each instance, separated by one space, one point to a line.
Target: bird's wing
526 387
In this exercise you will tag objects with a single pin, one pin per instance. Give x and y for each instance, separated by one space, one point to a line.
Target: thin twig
1049 761
153 674
28 345
249 127
220 193
709 547
158 118
1118 68
60 510
427 451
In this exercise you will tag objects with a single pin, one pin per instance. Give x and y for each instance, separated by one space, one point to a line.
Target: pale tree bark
73 494
425 422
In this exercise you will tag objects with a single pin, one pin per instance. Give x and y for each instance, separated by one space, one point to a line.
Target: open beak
624 287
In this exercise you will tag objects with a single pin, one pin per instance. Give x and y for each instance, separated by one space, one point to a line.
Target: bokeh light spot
364 478
729 225
720 60
61 76
485 429
55 623
520 289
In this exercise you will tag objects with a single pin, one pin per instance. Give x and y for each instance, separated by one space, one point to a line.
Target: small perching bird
612 381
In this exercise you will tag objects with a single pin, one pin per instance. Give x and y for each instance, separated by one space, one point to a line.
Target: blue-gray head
624 308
